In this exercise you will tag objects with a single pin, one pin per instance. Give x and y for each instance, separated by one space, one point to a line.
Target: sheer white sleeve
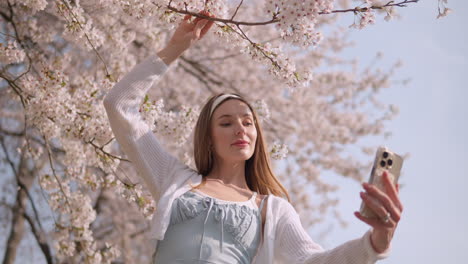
294 245
152 162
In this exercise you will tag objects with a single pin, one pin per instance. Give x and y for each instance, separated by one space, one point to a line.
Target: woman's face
233 131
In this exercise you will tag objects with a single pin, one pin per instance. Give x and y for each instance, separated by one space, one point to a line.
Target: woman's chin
239 158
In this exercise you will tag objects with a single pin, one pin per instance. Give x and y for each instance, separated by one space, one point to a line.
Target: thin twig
96 147
18 39
226 21
40 239
365 9
237 9
87 38
52 167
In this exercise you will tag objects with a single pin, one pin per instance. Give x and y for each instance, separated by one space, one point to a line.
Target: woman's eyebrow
227 115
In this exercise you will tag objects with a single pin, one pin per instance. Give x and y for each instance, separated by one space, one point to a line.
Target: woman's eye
248 124
225 124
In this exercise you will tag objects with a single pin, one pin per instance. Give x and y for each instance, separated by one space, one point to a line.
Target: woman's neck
229 173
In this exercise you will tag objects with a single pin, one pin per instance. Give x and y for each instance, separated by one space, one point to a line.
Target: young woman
232 209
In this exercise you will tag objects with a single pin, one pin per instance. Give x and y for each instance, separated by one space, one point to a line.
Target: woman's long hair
258 172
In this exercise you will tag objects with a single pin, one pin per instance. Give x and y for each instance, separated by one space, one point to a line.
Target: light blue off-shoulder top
204 229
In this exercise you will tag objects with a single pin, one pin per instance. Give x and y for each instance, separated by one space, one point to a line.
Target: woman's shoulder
280 204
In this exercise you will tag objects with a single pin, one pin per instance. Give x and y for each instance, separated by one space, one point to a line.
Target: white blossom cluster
366 18
79 27
391 13
177 126
11 53
217 7
261 108
44 110
279 151
298 19
32 6
73 226
135 194
279 64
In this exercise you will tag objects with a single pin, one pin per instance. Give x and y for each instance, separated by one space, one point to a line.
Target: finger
198 28
374 222
198 18
205 13
391 190
383 199
377 208
206 28
186 22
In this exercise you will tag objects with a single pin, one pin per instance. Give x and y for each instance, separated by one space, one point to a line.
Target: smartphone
385 160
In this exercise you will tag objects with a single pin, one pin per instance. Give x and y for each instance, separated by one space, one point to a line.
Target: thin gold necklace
228 184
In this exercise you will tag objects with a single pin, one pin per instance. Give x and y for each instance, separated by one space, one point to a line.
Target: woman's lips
241 144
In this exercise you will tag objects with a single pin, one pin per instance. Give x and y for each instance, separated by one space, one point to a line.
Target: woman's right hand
187 33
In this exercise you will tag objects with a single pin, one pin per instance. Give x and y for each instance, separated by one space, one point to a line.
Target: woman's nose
240 129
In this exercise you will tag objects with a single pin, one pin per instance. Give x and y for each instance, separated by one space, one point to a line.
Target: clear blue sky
432 126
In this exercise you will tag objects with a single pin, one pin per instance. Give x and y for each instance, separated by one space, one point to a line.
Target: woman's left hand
387 206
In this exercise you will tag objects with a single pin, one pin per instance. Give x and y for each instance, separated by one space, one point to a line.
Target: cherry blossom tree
66 184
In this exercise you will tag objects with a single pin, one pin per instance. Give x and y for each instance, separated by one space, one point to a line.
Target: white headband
220 99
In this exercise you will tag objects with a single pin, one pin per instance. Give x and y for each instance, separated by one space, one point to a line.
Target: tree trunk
17 227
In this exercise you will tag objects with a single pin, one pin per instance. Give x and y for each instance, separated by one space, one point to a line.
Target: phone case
385 160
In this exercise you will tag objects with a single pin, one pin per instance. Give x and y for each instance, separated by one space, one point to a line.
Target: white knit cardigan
284 238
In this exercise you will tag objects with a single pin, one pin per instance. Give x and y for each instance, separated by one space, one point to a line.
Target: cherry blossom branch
23 134
108 142
11 133
18 91
204 71
237 9
275 19
197 66
5 34
140 232
257 47
89 142
52 167
222 58
364 9
198 77
96 148
230 21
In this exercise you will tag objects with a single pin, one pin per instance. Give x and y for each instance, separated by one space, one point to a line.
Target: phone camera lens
382 163
390 162
385 154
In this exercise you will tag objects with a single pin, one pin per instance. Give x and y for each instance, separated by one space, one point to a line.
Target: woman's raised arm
156 167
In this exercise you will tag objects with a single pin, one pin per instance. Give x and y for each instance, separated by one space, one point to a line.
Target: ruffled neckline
202 194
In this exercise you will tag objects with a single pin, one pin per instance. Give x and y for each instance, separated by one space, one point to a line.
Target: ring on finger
386 218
